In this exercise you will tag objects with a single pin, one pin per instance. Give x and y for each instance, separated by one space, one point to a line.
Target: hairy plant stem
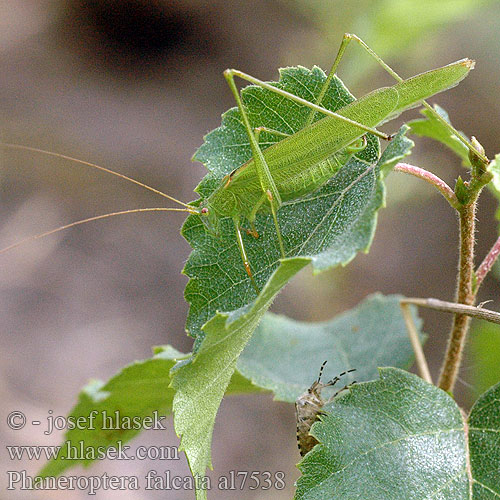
464 295
432 179
487 264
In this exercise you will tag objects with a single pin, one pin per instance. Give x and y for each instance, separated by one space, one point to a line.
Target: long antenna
93 165
90 219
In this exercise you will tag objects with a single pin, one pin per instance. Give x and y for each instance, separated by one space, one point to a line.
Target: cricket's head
209 217
221 203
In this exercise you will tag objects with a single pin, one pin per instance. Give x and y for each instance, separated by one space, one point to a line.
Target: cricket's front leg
253 214
243 253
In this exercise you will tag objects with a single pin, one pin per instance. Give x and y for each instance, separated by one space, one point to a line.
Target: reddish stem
487 263
429 177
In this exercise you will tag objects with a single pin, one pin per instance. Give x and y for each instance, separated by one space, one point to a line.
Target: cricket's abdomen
304 182
248 190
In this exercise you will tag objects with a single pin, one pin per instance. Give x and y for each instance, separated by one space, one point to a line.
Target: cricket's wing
318 142
420 87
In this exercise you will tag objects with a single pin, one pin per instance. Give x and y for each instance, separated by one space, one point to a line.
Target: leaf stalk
432 179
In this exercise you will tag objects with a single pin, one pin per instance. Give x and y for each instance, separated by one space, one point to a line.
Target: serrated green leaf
394 438
200 382
431 127
484 444
284 355
137 391
330 225
400 437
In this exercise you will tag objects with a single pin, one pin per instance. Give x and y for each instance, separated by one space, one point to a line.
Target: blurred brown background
134 85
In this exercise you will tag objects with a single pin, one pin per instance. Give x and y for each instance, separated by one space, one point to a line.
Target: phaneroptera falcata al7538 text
301 163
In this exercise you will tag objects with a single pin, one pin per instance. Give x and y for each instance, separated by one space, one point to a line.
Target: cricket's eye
204 211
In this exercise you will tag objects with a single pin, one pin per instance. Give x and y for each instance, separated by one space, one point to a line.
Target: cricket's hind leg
348 37
231 73
265 177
